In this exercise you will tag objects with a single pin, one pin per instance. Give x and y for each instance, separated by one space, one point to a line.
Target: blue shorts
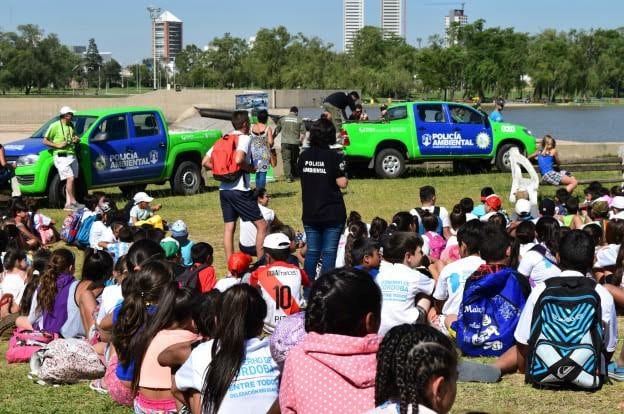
235 204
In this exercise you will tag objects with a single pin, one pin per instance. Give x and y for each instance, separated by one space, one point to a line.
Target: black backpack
189 277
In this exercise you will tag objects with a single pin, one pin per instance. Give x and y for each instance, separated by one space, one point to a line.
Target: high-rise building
454 16
393 17
353 21
167 37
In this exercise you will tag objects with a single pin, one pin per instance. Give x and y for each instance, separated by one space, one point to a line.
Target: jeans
322 241
261 179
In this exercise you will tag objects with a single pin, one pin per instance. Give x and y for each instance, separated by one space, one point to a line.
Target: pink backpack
25 342
436 244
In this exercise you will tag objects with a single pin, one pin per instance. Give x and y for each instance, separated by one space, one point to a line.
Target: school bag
82 237
66 361
189 278
70 226
436 212
567 336
224 166
24 343
490 310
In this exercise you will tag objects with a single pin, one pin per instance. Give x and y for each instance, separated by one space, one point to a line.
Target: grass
371 197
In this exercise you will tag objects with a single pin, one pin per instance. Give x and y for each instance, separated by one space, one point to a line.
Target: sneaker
615 373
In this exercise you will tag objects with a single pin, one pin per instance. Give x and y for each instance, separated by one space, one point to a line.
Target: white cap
618 202
277 241
523 207
141 197
66 110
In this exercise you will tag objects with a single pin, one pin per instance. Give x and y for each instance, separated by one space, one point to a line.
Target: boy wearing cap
61 137
480 209
143 213
179 231
171 247
238 268
492 204
279 282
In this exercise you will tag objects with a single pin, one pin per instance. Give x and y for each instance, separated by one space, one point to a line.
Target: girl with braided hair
416 371
332 370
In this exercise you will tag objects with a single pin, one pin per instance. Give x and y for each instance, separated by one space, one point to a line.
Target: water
573 123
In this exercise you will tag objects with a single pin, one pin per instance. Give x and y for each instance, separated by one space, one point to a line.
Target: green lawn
371 197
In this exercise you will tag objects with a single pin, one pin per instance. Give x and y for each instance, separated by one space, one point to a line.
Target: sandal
98 386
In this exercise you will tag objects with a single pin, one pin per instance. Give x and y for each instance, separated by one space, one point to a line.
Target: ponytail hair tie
142 294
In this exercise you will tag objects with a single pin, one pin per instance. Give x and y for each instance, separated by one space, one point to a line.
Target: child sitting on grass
143 213
179 231
365 256
200 275
238 268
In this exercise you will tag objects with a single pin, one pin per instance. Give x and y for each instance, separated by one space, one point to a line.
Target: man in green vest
293 131
61 137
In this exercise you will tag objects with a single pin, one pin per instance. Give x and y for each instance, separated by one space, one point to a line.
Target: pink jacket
330 374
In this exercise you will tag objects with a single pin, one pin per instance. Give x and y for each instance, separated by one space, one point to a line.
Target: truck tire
128 191
56 192
502 157
389 163
187 179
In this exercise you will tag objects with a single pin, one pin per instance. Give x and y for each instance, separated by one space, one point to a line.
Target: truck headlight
25 160
527 131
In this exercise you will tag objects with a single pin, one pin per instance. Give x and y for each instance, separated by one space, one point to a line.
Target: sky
123 26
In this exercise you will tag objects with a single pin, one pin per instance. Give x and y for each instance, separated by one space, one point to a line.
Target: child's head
171 247
572 205
97 267
594 230
357 230
238 264
469 238
615 231
353 217
142 251
599 210
466 204
124 234
185 301
288 231
19 209
241 318
120 270
206 311
179 230
142 200
548 143
493 203
201 253
262 116
485 192
547 232
495 246
365 252
525 232
499 220
521 194
457 217
14 259
262 196
403 247
561 195
61 262
547 207
40 261
91 202
276 247
344 302
416 364
377 228
404 221
429 221
427 194
576 251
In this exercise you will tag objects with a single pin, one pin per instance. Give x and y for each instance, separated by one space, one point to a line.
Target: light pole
154 14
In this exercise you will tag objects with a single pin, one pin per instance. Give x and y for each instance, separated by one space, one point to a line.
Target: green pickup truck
415 132
125 147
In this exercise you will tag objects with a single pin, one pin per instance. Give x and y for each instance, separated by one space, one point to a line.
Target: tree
111 71
267 57
93 62
226 58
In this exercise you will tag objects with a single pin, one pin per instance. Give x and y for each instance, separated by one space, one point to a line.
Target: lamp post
154 14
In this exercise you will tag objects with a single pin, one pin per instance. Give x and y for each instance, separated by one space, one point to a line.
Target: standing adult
336 103
261 144
237 199
61 137
322 173
293 131
496 115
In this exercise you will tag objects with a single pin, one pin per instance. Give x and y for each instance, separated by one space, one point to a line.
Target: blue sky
123 27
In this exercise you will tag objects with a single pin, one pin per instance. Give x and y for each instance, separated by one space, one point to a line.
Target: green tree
93 62
226 62
267 57
111 71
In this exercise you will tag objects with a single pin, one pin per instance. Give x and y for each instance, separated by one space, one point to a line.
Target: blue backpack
436 212
489 312
567 336
82 238
71 225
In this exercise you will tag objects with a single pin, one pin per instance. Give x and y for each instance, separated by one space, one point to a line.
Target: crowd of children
380 333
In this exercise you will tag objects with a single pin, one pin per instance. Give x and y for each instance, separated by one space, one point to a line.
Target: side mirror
100 137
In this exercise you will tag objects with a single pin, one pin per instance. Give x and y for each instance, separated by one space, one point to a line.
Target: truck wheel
389 163
56 192
503 162
186 179
129 191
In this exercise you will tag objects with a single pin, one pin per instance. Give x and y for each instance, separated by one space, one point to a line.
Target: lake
574 123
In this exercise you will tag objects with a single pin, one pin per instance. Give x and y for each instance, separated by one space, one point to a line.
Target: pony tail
357 231
60 261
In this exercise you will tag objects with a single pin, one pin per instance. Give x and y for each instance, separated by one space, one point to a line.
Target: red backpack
224 166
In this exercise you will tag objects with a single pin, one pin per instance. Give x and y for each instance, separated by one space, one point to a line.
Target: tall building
353 21
167 37
393 17
454 16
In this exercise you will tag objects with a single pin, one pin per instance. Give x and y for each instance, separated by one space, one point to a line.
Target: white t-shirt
140 213
399 287
244 144
256 386
14 284
537 268
227 282
524 248
247 229
450 286
607 256
444 215
111 296
609 316
100 232
470 216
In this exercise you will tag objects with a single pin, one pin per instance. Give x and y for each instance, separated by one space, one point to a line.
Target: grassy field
371 198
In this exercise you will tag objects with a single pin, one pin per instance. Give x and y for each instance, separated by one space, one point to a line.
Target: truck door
475 132
109 151
433 130
149 142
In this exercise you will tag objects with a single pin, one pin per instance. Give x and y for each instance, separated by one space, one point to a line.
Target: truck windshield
81 124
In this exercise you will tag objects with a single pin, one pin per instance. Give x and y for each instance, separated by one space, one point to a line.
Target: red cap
494 202
239 262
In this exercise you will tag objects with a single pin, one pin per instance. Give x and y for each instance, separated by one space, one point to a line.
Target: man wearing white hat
61 137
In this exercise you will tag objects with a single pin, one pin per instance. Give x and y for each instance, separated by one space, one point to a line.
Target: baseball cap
141 197
179 229
66 110
618 202
276 241
523 207
170 246
494 202
547 207
239 262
